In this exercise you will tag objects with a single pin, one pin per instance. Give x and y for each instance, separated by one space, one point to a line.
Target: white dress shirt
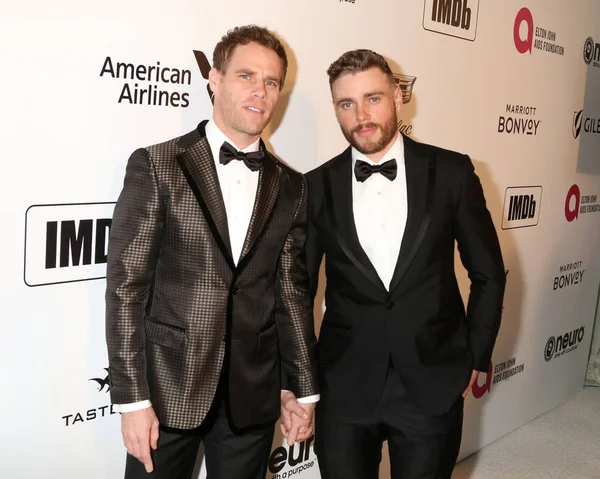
380 209
238 185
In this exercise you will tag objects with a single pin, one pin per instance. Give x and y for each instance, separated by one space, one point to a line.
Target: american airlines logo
521 207
66 243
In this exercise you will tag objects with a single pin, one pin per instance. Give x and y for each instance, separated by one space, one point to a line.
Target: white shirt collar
216 138
396 151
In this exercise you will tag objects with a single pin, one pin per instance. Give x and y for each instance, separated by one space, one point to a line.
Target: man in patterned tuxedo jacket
207 300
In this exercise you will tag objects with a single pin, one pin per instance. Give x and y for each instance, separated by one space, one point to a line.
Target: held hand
140 433
296 418
304 426
290 406
474 376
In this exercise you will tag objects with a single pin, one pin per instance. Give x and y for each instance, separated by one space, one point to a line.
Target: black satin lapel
266 194
420 186
338 198
199 170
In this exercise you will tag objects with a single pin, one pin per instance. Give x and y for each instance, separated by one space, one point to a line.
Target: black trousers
228 454
420 447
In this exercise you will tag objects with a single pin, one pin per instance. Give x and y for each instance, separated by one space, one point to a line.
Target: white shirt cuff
310 399
131 407
307 399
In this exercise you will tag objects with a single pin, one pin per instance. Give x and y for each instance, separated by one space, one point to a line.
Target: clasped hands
296 418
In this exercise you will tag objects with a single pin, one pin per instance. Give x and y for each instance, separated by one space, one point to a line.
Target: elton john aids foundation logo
527 36
576 204
497 373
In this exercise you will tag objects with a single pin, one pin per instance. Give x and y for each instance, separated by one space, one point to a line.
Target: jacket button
389 304
235 290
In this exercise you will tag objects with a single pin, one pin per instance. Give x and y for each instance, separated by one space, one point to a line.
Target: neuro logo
549 349
577 123
591 52
204 67
588 50
563 344
102 383
287 461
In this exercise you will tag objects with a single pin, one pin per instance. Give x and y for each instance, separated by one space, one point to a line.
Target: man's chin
252 129
367 147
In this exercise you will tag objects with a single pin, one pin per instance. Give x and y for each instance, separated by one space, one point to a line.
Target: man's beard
388 131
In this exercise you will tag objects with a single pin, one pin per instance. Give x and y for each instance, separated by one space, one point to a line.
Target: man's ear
214 79
398 98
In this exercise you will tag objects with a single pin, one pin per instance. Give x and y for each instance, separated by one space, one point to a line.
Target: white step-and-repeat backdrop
516 84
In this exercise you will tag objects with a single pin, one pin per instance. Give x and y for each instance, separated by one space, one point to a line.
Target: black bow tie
252 160
363 170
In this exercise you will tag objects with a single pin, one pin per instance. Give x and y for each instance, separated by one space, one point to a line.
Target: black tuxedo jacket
421 321
181 315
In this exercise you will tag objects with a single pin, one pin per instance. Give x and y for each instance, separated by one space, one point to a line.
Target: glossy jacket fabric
179 310
421 322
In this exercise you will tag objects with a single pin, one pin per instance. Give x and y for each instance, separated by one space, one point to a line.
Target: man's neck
241 140
376 157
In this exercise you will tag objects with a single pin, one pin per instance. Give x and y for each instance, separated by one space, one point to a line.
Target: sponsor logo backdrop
513 85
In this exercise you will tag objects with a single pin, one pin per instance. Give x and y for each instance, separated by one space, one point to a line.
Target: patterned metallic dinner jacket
181 316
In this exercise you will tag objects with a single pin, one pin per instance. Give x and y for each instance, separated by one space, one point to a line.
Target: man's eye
245 76
345 106
270 83
374 99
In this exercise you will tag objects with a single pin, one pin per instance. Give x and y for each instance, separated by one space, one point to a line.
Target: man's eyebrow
344 100
372 93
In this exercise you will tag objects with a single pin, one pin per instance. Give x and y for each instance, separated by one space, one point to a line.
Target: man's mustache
363 126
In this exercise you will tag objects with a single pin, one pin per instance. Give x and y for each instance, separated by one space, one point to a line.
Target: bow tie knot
253 160
363 170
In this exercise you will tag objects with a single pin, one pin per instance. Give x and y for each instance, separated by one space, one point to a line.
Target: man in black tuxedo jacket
397 351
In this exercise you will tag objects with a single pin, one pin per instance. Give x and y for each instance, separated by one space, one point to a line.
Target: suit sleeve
314 247
132 254
294 316
480 254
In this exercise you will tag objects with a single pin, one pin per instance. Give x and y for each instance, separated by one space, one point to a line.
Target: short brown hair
357 61
242 36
